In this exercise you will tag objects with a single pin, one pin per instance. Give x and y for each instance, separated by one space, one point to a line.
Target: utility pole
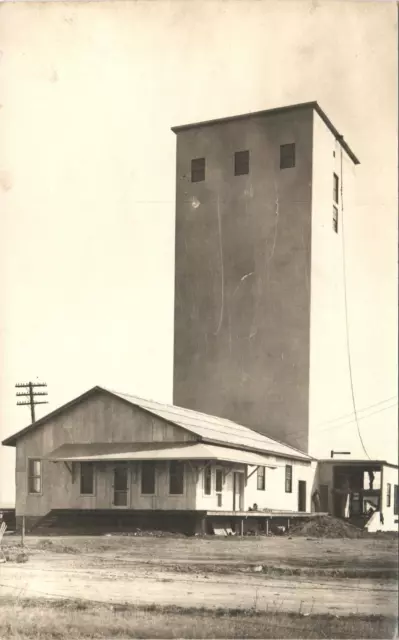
29 391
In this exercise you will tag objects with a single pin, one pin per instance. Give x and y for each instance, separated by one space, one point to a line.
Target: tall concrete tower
259 299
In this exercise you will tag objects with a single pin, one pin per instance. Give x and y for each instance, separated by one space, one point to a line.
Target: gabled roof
270 112
208 428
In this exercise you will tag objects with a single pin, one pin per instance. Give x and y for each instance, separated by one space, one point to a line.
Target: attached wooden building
107 452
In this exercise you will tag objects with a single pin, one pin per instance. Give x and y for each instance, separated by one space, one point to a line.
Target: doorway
121 487
324 506
238 491
301 495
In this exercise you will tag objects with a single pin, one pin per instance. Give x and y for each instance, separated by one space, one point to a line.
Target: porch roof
113 452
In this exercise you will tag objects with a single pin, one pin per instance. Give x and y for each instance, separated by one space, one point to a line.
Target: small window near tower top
241 163
335 219
198 170
336 188
287 156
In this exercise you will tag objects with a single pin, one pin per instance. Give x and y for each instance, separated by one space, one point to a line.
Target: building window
261 478
198 170
336 188
335 219
388 495
287 156
288 478
148 478
208 480
86 478
219 480
241 163
395 500
219 486
176 477
34 476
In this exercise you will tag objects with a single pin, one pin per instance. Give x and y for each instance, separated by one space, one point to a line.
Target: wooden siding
100 418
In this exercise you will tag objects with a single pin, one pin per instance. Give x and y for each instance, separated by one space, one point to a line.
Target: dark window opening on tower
241 163
335 219
287 156
198 170
336 188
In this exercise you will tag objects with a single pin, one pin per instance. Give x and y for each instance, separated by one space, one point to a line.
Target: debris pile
325 527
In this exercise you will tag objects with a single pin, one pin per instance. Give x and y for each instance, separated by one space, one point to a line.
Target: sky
88 94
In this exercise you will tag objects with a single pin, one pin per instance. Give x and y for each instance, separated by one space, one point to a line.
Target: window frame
261 476
335 188
92 466
179 464
219 493
335 218
288 478
35 476
198 173
389 494
241 162
146 464
208 474
285 157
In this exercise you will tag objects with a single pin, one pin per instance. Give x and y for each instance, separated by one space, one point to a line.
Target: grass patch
35 619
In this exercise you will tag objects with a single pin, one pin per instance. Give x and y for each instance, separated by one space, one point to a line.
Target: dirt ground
211 573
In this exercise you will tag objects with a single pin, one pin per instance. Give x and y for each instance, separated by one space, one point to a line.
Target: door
238 490
121 488
301 495
324 506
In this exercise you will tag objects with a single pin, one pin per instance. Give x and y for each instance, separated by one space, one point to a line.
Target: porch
152 476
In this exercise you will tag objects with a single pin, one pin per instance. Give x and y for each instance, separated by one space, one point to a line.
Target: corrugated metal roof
155 451
211 428
214 428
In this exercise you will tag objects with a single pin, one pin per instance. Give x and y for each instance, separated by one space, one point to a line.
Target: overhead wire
346 312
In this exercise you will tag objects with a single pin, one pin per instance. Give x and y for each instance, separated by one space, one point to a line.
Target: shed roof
270 112
155 451
356 463
208 428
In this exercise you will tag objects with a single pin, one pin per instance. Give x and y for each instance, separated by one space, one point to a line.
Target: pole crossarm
31 393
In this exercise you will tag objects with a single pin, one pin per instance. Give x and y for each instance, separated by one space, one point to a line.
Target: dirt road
56 575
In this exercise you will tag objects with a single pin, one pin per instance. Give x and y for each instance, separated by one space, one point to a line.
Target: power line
338 426
348 415
346 316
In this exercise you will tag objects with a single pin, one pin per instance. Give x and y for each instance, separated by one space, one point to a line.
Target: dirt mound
324 527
